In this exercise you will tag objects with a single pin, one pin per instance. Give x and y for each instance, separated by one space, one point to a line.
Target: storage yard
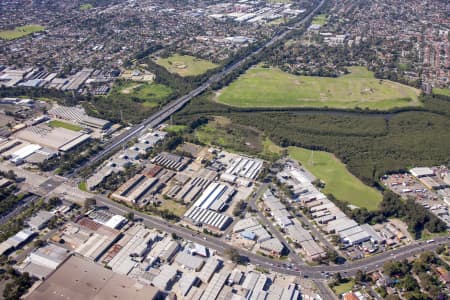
428 186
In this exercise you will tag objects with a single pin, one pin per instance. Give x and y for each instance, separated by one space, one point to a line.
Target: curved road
314 272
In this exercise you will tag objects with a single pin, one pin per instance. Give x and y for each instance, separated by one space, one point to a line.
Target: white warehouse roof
24 152
421 172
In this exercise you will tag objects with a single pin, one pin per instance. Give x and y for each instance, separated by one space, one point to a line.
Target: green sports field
69 126
444 92
19 32
86 6
186 65
149 94
338 180
266 87
320 19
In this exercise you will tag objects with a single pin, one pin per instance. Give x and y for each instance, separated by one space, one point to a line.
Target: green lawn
175 128
343 287
82 186
19 32
444 92
338 180
149 94
57 123
186 65
86 6
320 20
233 137
174 207
265 87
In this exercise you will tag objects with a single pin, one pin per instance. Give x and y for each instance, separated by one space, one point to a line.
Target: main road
315 272
175 105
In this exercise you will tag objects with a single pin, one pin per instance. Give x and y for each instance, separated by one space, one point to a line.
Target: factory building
171 161
40 220
189 262
246 167
76 273
77 115
16 241
215 197
43 261
215 285
201 216
273 246
58 138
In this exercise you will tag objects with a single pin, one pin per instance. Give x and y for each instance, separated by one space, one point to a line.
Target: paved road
314 272
292 254
324 290
317 234
24 203
172 107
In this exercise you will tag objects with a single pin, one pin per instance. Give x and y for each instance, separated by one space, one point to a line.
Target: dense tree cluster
19 285
9 200
415 215
370 143
422 268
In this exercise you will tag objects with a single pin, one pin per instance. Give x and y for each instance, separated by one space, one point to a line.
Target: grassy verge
82 186
338 180
343 287
177 129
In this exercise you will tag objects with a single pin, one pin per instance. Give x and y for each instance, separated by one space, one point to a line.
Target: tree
89 202
409 283
233 255
360 276
54 201
130 216
39 243
337 278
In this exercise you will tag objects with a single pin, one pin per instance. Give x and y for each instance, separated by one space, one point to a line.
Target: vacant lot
221 132
19 32
264 87
186 65
57 123
177 129
149 94
338 180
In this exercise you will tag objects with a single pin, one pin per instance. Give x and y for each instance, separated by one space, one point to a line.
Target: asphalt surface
23 204
314 272
172 107
292 255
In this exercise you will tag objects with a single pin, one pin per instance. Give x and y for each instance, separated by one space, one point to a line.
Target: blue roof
248 235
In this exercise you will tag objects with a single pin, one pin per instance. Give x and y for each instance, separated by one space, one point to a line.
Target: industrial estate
244 150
